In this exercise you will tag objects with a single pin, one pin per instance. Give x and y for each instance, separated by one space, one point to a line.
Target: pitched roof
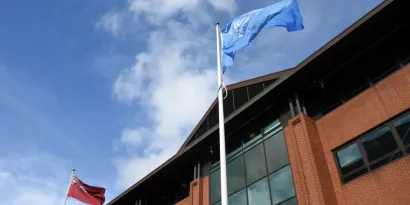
297 72
266 80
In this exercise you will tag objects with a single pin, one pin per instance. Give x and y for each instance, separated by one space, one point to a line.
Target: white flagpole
68 188
224 188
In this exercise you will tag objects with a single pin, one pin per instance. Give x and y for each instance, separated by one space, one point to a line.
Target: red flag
93 195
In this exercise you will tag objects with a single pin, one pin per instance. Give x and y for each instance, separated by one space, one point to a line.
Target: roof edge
344 33
263 78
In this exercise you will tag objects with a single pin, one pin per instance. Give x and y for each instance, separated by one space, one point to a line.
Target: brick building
333 130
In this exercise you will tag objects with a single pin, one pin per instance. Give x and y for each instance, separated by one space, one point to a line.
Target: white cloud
32 177
132 140
110 22
159 10
175 82
4 175
36 197
29 174
130 169
223 5
134 137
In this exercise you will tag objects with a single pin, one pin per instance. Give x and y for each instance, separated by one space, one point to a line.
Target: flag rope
222 86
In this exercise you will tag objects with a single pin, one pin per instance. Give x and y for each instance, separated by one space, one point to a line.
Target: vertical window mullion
244 170
233 100
339 168
397 138
266 163
364 154
247 92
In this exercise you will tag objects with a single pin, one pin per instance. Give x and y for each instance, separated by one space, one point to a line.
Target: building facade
333 130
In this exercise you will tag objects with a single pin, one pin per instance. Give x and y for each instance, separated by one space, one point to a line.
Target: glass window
258 193
292 201
252 157
215 186
403 128
238 198
351 162
271 126
255 164
276 152
236 175
281 185
381 147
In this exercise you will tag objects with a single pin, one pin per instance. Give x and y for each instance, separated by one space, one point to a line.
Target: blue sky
112 88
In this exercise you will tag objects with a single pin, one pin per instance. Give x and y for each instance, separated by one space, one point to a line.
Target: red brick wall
312 179
310 146
186 201
199 193
296 162
308 140
205 191
196 194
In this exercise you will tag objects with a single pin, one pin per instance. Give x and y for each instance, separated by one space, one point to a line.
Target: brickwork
196 192
199 193
311 143
296 162
320 160
186 201
205 191
312 181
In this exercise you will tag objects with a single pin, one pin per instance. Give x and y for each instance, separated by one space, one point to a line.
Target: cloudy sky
113 87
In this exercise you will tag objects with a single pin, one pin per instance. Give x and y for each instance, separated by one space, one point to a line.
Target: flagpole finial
217 23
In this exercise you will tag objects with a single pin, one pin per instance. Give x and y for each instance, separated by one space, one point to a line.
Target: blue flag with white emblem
241 31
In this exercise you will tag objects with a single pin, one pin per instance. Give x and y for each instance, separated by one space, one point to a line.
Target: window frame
269 135
293 183
339 168
397 132
246 147
401 148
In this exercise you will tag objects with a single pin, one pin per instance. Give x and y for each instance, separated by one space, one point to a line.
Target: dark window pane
213 116
233 148
281 185
236 175
273 125
203 128
255 164
276 152
350 159
292 201
255 89
268 83
193 139
258 193
238 198
228 104
403 127
215 186
240 97
356 173
380 147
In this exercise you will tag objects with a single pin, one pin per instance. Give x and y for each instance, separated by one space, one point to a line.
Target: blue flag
241 31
